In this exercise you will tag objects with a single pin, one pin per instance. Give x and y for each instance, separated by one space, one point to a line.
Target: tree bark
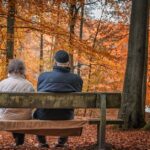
144 86
81 36
133 97
73 16
41 52
10 29
41 67
90 60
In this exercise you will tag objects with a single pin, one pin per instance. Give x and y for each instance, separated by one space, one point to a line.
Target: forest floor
120 140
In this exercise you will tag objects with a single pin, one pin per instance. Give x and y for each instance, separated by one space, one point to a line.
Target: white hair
66 64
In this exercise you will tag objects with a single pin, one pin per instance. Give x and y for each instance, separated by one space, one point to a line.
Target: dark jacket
58 80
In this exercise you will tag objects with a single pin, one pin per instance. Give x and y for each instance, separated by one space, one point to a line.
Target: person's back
16 82
59 80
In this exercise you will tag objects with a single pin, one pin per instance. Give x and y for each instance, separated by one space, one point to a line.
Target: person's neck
16 75
62 69
60 64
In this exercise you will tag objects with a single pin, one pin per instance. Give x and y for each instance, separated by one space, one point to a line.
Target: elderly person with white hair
16 82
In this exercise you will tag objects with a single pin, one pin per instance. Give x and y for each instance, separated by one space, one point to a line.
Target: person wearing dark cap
58 80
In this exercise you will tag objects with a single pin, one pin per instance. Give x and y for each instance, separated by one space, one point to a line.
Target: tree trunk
10 29
133 97
41 67
90 60
57 25
81 36
41 53
73 16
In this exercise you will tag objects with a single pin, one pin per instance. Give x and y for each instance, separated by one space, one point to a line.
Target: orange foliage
103 58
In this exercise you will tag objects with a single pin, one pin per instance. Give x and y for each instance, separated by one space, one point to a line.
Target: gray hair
62 64
16 66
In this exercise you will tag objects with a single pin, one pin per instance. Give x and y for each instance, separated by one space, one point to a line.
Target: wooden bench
61 100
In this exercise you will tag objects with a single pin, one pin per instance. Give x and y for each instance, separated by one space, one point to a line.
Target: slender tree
10 29
40 2
41 52
80 35
73 12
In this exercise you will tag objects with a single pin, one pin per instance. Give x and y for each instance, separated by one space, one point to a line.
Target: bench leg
102 124
97 134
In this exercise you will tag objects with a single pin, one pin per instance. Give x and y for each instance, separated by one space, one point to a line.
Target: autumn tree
10 29
133 98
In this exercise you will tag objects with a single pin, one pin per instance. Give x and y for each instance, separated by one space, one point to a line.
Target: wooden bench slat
43 127
108 122
40 124
58 100
51 132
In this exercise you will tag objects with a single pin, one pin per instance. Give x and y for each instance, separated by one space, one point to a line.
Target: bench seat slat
108 122
40 124
51 132
43 127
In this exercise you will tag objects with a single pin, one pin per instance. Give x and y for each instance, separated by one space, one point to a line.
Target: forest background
94 32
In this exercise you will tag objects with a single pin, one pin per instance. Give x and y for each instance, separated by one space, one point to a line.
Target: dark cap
61 56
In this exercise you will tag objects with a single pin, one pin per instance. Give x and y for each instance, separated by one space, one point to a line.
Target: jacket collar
15 76
61 69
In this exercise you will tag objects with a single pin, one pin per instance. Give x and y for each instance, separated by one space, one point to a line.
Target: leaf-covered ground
120 140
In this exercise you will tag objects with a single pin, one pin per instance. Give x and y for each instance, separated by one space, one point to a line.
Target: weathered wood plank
108 122
102 125
57 100
47 100
113 100
44 127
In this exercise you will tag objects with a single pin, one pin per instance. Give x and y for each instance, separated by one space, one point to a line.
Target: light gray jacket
15 83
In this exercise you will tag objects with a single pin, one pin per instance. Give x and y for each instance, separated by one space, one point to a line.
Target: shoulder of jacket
7 80
2 82
76 76
29 86
44 73
28 82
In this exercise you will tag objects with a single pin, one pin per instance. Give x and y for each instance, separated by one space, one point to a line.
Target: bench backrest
59 100
65 100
